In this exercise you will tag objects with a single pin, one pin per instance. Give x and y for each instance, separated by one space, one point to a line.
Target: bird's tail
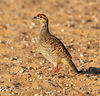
73 66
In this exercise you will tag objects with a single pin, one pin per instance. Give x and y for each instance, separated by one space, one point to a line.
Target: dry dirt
23 69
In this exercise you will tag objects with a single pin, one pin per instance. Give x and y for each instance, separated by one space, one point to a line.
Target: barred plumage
51 47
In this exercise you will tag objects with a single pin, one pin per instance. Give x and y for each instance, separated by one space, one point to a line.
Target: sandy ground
23 69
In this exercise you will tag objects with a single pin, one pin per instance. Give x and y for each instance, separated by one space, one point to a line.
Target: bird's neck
44 28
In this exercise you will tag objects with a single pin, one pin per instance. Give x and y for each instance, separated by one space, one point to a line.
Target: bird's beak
35 17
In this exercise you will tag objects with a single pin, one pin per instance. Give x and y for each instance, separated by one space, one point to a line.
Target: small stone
7 87
62 30
12 48
44 61
87 75
48 92
15 93
41 77
83 21
70 85
79 50
9 80
40 63
91 78
22 71
53 93
82 65
33 24
87 93
82 69
31 27
15 58
81 55
71 40
2 81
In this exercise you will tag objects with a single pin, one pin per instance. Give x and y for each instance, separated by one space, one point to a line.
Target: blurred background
71 13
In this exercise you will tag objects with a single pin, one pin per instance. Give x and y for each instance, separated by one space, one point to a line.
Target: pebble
9 80
83 21
12 48
37 88
44 61
48 92
82 62
87 75
15 93
95 79
80 16
62 30
27 44
32 25
82 65
34 40
71 40
70 85
36 94
53 93
81 55
82 69
41 63
2 82
41 77
91 78
79 50
95 56
49 68
22 71
87 93
89 84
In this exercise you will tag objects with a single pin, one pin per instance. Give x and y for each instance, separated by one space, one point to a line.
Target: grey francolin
51 47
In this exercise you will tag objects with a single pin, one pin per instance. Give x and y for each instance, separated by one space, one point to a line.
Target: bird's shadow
91 70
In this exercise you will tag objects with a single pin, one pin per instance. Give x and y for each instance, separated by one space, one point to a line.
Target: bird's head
42 18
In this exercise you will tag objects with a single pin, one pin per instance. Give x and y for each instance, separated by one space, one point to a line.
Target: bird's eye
40 16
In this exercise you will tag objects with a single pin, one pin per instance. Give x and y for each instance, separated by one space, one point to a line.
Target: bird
51 47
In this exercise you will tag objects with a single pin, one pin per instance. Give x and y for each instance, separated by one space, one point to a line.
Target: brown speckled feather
51 47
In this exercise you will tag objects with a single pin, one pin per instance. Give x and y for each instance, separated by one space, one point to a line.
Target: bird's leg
52 71
55 68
